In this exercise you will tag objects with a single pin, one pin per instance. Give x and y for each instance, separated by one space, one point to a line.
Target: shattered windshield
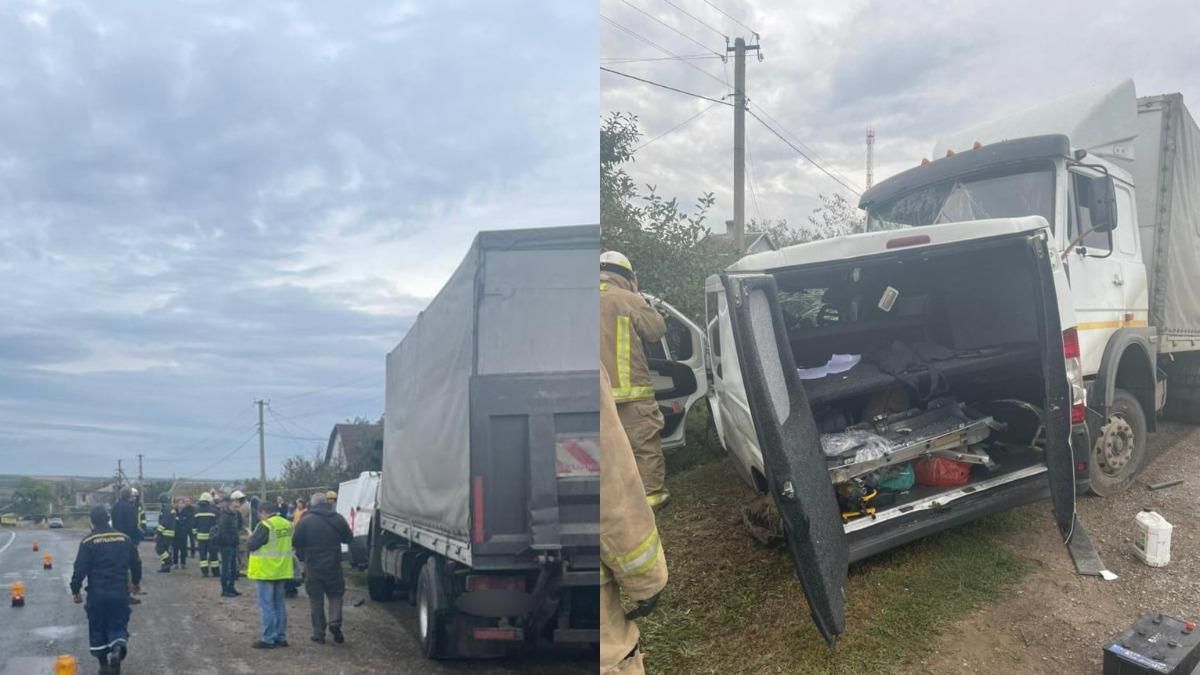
1011 196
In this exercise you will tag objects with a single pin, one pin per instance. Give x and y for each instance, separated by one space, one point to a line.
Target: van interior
922 369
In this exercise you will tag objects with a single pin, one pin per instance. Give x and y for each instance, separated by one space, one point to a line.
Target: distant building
105 494
359 445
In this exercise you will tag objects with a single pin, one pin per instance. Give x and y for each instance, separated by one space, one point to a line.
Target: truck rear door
794 464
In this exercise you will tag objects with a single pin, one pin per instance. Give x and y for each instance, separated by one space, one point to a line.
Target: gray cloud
909 69
205 203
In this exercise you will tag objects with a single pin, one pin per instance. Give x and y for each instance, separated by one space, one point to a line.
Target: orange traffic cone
35 544
66 665
47 562
17 590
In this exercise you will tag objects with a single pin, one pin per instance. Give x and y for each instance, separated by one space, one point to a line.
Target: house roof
353 436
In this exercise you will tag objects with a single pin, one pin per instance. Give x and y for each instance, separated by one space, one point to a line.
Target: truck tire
1183 390
431 602
1119 450
381 588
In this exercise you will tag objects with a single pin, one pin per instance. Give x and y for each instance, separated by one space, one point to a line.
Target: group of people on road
634 472
223 532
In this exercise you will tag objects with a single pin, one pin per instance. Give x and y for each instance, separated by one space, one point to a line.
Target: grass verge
735 606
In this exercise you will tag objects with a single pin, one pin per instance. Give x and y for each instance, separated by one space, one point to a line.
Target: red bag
941 472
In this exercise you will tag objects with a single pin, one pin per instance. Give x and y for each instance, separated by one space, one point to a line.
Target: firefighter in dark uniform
203 522
183 530
108 561
164 539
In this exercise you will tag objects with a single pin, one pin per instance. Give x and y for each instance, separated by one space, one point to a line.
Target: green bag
897 478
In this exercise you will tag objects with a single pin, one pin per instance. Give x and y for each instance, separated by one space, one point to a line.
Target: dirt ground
1058 621
215 633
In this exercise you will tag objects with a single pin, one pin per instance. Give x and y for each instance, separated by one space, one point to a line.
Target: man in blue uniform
108 561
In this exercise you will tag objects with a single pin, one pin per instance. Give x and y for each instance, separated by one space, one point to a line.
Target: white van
356 502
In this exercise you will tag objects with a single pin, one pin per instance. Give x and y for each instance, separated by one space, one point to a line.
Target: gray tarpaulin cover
1167 175
532 297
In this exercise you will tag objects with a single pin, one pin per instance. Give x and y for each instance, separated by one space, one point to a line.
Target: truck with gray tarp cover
489 504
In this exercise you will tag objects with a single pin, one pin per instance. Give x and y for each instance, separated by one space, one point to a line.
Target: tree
670 247
302 472
33 498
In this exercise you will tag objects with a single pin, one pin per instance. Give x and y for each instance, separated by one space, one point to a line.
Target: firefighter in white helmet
203 523
626 321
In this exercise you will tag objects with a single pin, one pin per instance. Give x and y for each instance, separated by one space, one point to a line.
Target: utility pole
870 157
738 234
120 476
141 483
262 454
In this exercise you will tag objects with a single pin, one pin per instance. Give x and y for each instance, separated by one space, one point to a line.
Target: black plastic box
1155 644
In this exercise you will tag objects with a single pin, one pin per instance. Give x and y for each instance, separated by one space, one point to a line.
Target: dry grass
735 606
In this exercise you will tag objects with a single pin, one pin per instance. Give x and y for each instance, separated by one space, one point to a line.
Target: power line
659 47
296 438
801 152
753 191
796 138
224 457
698 20
675 128
672 28
627 59
664 86
291 427
727 15
326 410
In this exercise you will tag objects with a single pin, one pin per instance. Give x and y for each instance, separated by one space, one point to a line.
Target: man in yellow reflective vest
631 556
270 567
626 320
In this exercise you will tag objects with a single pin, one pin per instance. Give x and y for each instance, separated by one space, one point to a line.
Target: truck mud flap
1087 560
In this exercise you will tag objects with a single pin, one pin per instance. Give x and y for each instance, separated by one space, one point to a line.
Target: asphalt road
184 626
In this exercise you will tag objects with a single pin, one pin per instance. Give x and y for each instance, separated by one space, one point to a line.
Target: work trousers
643 423
179 550
162 548
318 591
229 571
108 622
618 635
192 542
272 610
208 557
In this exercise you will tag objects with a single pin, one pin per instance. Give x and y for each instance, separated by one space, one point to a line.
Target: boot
114 660
166 567
203 571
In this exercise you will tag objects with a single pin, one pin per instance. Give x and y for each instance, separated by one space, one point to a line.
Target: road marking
12 536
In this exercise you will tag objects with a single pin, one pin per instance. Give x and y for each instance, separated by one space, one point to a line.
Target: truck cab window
679 340
1097 243
711 324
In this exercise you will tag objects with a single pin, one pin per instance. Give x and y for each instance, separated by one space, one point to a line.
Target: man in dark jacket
125 516
227 536
183 530
318 542
107 559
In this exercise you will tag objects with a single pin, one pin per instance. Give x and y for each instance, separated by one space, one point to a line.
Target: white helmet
615 261
205 497
133 491
237 494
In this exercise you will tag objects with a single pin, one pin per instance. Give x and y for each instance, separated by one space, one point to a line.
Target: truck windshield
1029 193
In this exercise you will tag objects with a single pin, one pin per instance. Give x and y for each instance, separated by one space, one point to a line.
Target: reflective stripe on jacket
273 560
630 550
626 320
203 522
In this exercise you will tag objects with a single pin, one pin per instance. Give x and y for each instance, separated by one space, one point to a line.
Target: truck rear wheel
381 588
1119 451
432 601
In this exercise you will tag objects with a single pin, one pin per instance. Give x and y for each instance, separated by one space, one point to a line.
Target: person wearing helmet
204 521
626 321
242 507
125 515
331 498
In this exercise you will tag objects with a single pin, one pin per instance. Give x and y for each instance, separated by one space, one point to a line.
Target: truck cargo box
491 422
1166 172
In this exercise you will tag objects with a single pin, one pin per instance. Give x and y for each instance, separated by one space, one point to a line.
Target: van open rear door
795 466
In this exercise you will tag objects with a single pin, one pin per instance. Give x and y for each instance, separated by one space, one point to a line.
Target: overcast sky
833 68
206 203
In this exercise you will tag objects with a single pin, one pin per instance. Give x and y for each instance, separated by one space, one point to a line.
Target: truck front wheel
431 603
1119 451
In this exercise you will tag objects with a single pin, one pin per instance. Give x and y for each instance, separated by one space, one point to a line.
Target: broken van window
1009 196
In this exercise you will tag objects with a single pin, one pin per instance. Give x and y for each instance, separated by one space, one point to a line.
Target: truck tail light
912 240
482 582
1072 354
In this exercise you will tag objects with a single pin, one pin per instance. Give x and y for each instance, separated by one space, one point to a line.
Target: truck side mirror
1102 203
